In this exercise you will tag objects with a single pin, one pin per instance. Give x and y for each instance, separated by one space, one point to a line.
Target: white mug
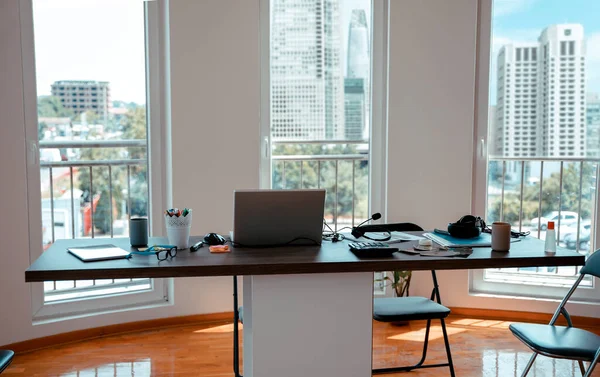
500 236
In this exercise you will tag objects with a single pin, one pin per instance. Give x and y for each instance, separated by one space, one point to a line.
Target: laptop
263 218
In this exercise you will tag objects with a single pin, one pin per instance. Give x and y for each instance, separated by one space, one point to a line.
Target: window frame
157 96
477 285
379 102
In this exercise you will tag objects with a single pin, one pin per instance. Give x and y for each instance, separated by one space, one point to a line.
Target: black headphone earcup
460 230
466 219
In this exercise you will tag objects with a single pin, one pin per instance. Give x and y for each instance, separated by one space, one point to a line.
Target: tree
134 125
90 117
51 107
135 129
323 174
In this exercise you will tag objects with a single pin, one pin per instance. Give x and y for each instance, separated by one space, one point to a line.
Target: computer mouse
214 239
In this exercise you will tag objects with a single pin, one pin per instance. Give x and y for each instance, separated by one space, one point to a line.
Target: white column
308 325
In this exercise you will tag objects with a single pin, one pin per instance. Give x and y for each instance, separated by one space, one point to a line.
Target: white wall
215 112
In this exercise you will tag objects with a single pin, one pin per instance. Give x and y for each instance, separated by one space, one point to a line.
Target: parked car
567 218
569 238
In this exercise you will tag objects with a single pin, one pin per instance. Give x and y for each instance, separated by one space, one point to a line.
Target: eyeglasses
162 252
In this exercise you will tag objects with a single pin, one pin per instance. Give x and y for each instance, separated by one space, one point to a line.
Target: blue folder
483 240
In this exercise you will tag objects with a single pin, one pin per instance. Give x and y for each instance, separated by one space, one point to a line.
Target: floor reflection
480 348
138 368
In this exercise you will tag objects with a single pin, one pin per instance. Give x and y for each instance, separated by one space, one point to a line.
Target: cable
513 233
357 232
332 235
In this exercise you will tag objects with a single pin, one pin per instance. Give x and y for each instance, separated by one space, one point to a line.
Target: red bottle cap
550 225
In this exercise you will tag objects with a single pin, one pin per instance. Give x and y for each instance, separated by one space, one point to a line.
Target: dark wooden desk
307 310
56 264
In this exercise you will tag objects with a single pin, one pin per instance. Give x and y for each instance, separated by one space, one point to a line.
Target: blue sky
523 21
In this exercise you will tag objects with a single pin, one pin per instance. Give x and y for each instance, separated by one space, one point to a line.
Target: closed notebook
98 252
483 240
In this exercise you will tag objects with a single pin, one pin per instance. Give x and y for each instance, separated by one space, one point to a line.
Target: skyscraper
358 67
541 95
593 125
307 83
354 108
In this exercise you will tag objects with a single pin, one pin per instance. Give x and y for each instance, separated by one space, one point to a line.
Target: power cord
332 235
513 233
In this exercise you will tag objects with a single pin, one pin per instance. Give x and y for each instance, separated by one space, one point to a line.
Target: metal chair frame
236 337
435 296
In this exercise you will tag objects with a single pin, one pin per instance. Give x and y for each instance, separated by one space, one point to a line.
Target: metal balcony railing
340 173
523 191
80 215
344 175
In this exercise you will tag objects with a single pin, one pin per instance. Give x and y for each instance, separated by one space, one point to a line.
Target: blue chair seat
392 309
6 357
560 341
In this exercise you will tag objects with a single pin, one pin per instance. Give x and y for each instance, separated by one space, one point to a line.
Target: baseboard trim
120 328
517 316
224 317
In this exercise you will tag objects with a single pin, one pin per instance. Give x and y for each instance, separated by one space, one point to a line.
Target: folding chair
563 342
400 309
6 357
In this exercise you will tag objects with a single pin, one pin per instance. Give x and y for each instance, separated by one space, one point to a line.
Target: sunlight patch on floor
498 324
218 329
435 332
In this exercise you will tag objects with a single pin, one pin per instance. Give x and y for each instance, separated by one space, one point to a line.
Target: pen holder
178 230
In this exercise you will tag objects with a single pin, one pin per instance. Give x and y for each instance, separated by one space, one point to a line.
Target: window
94 160
555 179
320 102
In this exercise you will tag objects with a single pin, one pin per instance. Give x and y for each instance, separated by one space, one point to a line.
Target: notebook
483 240
98 252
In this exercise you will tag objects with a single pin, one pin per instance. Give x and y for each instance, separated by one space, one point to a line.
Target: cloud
506 7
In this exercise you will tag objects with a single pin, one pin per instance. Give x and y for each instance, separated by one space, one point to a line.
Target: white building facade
541 104
307 82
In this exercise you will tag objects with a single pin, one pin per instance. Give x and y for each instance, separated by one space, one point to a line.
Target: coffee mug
500 236
138 231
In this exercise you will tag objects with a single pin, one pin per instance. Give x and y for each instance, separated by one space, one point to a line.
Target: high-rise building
82 96
307 83
358 67
541 95
593 125
354 108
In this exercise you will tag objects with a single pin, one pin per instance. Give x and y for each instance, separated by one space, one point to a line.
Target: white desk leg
308 325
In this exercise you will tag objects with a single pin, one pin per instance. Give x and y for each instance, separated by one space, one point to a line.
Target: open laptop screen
264 218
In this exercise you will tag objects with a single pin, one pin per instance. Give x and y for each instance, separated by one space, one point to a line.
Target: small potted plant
400 282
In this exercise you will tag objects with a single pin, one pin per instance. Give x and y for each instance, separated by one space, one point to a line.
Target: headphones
359 231
467 226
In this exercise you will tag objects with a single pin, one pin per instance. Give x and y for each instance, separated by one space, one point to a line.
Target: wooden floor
480 348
